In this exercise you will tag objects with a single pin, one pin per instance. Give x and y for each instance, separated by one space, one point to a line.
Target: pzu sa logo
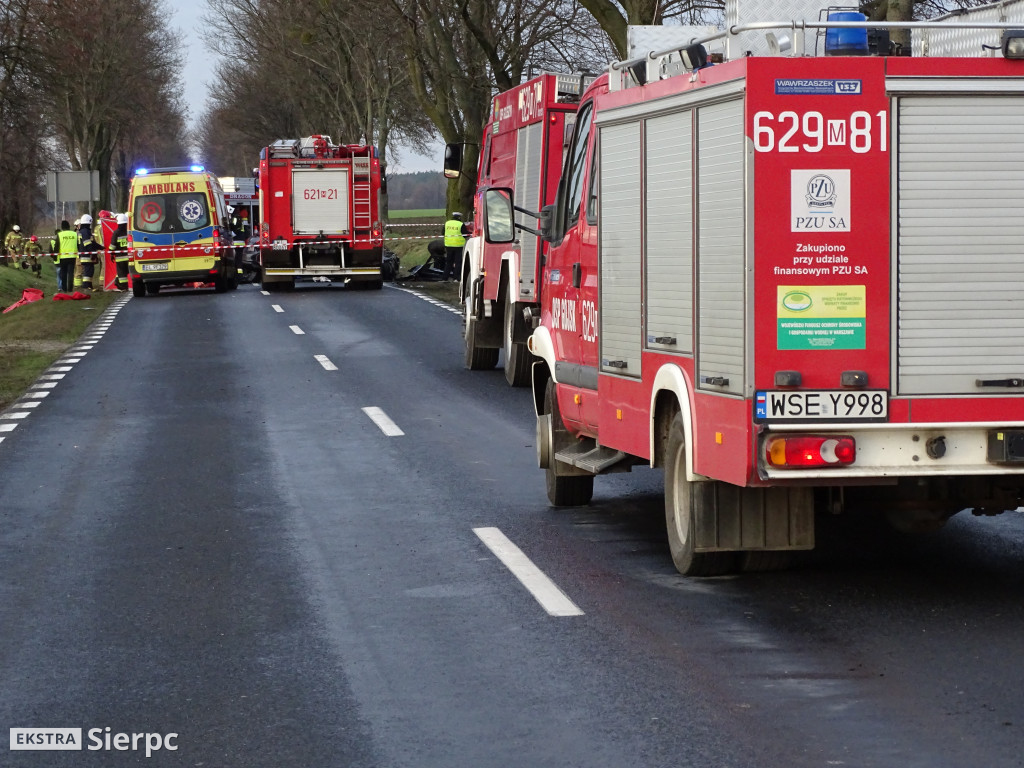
848 87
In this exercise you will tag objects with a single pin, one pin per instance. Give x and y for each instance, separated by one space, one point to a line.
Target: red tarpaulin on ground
76 296
27 297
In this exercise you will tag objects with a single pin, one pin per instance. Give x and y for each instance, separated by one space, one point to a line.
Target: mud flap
731 518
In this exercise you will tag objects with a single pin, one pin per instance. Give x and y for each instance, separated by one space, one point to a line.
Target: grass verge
34 335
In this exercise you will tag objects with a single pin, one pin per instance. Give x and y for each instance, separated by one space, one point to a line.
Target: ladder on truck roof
362 193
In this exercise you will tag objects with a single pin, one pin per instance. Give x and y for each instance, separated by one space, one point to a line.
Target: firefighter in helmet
87 249
121 252
12 245
33 250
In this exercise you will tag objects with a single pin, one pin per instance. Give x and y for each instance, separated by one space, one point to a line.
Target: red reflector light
797 451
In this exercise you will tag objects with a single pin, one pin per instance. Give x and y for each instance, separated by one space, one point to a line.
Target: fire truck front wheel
683 506
573 490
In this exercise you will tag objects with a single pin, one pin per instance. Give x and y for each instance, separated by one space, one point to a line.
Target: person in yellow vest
33 251
454 239
68 253
120 245
12 245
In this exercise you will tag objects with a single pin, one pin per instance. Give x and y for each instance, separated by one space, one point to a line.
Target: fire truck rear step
590 457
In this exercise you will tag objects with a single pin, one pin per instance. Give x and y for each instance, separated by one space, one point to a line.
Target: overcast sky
198 71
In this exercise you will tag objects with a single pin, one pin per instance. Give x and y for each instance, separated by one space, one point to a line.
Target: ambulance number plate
821 405
158 267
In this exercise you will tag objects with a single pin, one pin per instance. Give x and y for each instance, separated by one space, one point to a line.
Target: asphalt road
203 533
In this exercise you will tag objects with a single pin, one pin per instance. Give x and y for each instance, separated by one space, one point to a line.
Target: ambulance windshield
181 212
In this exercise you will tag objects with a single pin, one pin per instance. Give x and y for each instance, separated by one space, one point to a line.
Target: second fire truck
523 144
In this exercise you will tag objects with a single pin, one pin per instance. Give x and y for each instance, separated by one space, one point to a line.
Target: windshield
181 212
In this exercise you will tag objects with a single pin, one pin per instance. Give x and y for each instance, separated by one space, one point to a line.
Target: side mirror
497 219
547 215
452 161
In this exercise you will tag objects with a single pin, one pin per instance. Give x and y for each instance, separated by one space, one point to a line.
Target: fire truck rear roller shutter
721 202
669 229
620 217
961 222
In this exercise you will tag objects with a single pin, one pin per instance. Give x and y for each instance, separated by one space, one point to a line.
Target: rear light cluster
800 451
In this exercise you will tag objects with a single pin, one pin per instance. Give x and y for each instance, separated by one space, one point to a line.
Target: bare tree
105 79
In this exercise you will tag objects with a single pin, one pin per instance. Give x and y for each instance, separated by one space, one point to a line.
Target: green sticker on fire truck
821 317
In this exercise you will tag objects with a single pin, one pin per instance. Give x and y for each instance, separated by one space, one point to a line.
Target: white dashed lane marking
382 420
325 362
544 590
277 307
297 331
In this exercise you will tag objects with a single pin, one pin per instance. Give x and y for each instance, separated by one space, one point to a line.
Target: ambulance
179 231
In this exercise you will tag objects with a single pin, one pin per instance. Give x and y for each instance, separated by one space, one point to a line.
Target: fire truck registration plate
280 245
161 267
831 405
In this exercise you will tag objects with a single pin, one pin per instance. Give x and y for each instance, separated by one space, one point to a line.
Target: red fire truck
792 282
523 143
320 208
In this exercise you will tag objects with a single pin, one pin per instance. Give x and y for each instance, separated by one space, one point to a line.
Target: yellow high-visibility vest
68 244
453 237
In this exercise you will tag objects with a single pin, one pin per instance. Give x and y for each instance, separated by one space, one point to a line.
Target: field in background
422 213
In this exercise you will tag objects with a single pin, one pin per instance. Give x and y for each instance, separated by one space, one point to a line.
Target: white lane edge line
325 362
297 331
544 590
382 420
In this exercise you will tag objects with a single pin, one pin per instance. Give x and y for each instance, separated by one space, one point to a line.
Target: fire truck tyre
138 289
518 359
477 358
563 490
683 500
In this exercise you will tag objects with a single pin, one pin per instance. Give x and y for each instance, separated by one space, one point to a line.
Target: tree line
93 84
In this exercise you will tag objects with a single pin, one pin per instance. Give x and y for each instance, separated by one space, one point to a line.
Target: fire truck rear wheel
518 359
683 500
563 490
477 358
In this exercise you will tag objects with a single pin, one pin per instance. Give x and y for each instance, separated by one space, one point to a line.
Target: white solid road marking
325 362
277 307
387 426
297 331
545 591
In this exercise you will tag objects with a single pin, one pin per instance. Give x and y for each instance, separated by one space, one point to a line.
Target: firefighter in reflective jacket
68 253
121 252
33 251
454 239
87 250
